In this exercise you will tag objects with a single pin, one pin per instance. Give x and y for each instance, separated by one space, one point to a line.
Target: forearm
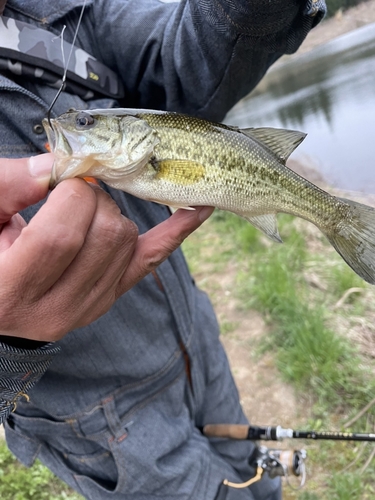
198 56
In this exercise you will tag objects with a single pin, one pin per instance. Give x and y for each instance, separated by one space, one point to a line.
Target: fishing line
63 81
61 36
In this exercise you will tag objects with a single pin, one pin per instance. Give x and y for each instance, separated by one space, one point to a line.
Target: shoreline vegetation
298 327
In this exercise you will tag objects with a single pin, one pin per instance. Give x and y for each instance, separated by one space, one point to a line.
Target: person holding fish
110 359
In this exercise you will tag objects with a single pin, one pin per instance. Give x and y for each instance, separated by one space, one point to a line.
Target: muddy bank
341 23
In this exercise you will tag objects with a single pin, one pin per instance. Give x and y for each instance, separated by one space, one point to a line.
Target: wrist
21 343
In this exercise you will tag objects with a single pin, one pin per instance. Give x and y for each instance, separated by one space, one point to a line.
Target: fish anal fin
267 224
182 172
281 142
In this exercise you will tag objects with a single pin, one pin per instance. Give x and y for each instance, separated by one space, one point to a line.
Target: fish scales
184 162
235 164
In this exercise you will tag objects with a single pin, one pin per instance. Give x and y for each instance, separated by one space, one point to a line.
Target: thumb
23 182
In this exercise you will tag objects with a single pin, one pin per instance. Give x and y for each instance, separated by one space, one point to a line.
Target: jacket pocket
61 448
23 447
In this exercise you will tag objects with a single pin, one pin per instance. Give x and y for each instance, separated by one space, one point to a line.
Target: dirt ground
266 400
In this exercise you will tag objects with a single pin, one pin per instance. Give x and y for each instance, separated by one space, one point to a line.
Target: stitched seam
123 390
144 403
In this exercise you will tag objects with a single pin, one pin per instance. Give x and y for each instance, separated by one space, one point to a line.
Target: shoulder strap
25 43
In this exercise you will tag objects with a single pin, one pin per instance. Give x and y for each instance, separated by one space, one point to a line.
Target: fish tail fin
354 239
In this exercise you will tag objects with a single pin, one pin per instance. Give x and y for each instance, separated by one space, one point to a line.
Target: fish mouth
57 140
59 146
52 142
51 133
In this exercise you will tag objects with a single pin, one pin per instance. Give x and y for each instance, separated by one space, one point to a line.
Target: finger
10 231
108 247
47 246
23 182
105 292
159 242
101 295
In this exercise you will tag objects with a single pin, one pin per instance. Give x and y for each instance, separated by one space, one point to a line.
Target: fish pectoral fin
267 224
280 141
179 171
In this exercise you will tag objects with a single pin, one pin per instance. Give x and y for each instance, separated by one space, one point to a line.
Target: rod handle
229 431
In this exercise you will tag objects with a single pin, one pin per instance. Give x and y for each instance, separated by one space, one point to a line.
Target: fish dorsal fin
280 141
267 224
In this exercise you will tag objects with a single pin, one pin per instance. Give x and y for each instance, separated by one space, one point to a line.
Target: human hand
77 255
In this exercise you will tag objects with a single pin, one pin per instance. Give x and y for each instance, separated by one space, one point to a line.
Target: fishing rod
275 462
278 433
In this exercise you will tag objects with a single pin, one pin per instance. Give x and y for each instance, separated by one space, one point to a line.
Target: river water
329 93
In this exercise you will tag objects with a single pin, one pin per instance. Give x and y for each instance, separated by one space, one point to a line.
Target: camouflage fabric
22 69
38 53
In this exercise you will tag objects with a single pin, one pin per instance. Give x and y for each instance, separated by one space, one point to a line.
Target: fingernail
204 213
40 166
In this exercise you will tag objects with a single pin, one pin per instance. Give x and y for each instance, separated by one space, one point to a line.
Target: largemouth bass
184 162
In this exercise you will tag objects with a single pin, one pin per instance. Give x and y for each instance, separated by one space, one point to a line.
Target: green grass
309 354
227 327
37 483
348 486
341 278
246 237
307 495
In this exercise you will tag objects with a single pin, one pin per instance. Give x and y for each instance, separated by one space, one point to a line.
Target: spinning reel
276 462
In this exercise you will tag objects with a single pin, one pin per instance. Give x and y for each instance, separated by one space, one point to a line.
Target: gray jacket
198 57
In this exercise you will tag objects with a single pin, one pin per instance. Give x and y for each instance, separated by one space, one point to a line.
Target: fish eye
84 120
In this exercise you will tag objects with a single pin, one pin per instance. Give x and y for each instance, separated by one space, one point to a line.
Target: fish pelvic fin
267 224
354 239
174 208
281 142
